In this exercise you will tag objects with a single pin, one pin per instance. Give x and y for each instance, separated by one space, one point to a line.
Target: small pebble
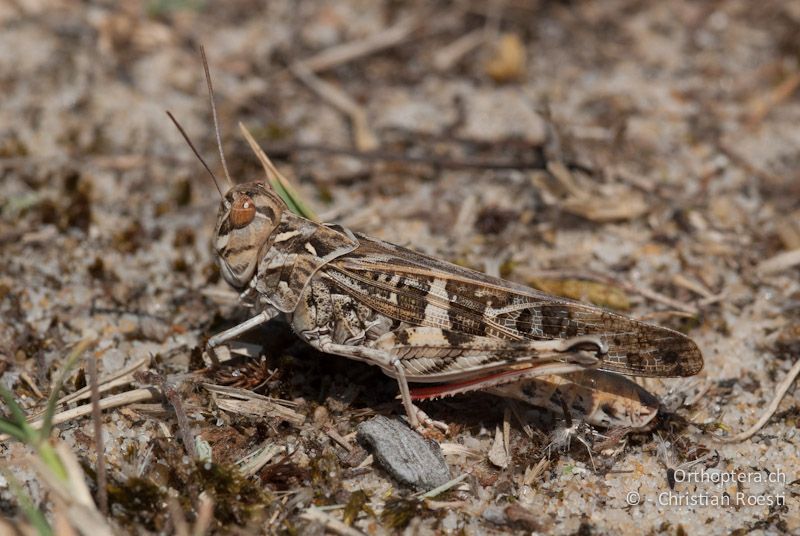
405 454
321 415
496 515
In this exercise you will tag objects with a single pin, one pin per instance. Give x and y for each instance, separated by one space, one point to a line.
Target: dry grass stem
332 524
253 462
97 419
444 505
779 263
692 285
179 524
780 392
73 494
526 428
347 52
457 449
244 402
444 487
363 136
761 105
24 376
205 515
114 380
448 56
532 474
114 401
333 434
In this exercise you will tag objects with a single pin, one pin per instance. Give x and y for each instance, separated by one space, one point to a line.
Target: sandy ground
656 144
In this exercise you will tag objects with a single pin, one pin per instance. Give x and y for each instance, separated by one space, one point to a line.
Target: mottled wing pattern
424 291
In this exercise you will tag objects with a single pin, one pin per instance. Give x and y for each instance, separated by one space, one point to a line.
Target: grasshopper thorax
248 215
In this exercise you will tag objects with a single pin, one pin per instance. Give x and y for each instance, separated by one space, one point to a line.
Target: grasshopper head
248 214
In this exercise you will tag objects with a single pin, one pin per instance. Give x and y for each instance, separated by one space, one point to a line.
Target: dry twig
762 105
97 419
780 392
170 392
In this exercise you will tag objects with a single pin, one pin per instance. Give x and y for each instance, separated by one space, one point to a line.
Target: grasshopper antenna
186 137
214 116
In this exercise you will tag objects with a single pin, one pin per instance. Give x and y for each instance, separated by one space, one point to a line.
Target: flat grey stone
405 454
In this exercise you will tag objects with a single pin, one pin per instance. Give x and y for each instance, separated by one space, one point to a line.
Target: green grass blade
292 198
47 421
278 182
34 515
13 429
287 198
19 421
17 413
51 460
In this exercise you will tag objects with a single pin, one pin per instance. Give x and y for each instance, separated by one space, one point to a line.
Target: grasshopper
421 319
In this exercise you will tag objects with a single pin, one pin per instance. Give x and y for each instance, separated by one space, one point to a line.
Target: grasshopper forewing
419 318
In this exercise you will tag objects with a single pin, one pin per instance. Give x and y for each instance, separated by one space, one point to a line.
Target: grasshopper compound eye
242 212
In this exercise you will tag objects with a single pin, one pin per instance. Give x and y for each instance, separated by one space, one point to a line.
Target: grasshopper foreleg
217 340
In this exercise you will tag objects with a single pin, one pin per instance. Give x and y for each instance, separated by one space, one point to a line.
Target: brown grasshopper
421 319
